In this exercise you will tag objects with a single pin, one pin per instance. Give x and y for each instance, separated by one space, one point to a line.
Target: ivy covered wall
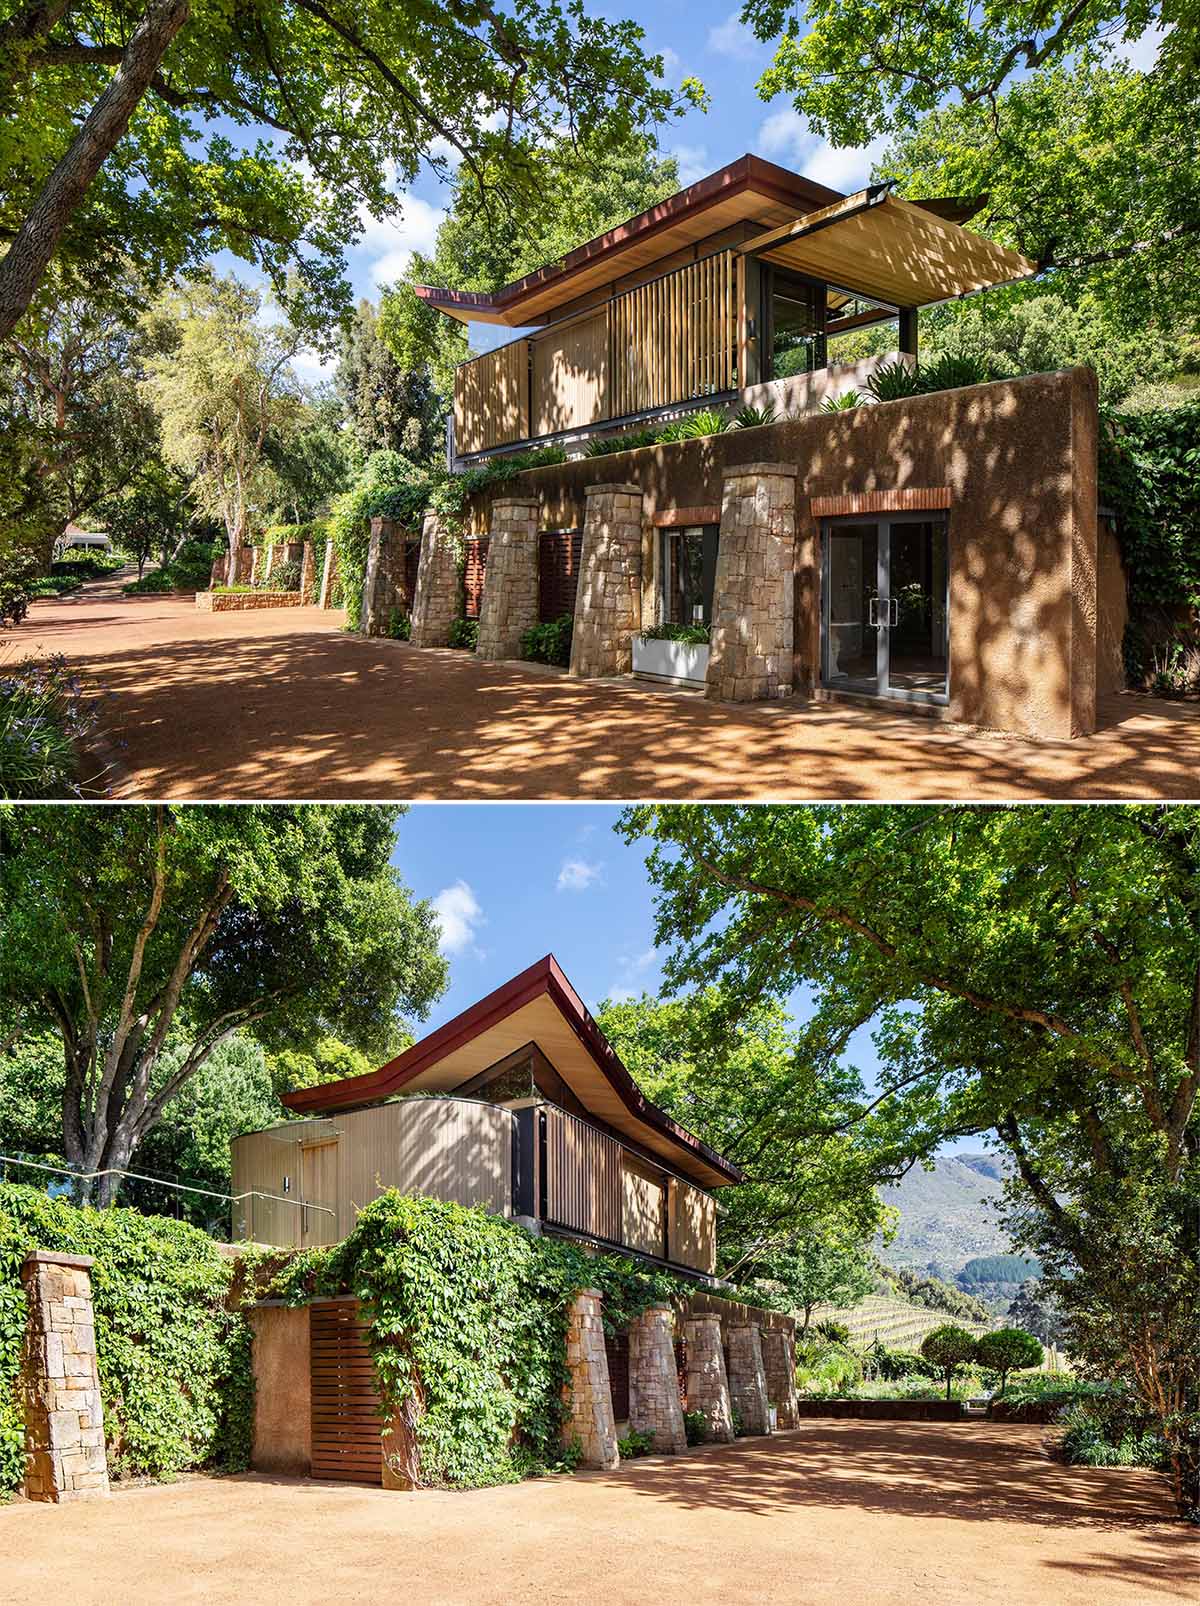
172 1342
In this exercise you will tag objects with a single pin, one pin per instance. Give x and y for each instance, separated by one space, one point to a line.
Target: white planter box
676 661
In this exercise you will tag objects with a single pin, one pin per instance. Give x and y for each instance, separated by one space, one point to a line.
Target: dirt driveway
286 704
854 1513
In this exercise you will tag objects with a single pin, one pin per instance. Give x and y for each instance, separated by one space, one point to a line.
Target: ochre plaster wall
282 1390
1112 612
1019 461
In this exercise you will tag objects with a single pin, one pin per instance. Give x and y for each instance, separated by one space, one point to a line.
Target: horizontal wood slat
345 1420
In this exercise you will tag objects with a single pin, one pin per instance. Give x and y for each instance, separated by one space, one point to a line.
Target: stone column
707 1383
308 573
510 581
327 574
654 1406
436 604
608 603
750 656
779 1363
589 1395
747 1380
60 1386
380 596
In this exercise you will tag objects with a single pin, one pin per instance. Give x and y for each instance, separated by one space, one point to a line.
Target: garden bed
679 663
236 601
886 1410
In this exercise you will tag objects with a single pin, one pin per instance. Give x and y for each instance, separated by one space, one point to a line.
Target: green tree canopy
145 937
473 252
1007 1349
388 408
948 1348
1032 971
167 131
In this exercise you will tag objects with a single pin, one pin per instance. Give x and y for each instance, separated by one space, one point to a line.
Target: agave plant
844 402
709 422
754 417
621 443
892 381
949 371
674 431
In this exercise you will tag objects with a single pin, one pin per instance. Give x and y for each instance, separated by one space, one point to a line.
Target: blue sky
512 882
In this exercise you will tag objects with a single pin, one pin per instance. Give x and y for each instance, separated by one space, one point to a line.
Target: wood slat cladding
474 570
491 398
616 1347
346 1424
583 1177
559 555
675 338
693 1226
412 559
643 1205
570 378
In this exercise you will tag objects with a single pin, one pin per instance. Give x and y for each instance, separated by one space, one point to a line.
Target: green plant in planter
464 633
709 422
949 372
755 417
628 442
635 1443
689 635
892 381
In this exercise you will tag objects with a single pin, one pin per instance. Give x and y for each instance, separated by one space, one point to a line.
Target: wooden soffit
890 250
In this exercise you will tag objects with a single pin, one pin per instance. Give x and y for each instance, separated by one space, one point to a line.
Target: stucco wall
1018 459
282 1390
1112 612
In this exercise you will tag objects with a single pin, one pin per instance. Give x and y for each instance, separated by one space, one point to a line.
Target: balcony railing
668 341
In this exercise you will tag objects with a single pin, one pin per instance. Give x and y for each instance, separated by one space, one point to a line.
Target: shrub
1008 1349
711 421
399 626
42 716
949 371
464 633
832 1332
549 643
695 1427
844 403
690 635
190 571
755 417
284 576
627 442
891 1364
635 1443
1109 1431
948 1347
172 1343
18 566
892 381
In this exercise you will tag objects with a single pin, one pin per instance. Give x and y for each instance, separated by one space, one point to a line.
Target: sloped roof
538 1006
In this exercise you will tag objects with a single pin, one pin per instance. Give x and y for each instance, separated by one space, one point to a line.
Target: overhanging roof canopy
890 250
538 1006
748 190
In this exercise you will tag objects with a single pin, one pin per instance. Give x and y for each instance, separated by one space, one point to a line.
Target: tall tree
220 384
723 1080
389 408
580 193
1034 972
144 937
168 131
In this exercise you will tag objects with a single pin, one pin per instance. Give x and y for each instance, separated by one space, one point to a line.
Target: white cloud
622 995
459 914
693 162
1141 53
577 875
733 38
388 244
672 65
787 136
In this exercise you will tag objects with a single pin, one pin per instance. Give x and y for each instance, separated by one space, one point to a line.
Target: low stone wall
240 601
885 1410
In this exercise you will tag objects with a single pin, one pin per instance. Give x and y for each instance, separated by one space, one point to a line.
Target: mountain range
947 1215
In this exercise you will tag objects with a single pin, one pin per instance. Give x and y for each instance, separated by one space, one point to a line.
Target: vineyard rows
897 1324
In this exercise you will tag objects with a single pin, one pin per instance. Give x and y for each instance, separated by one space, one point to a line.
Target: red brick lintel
897 501
675 517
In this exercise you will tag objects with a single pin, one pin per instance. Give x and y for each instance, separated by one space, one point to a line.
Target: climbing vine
172 1340
466 1318
1150 476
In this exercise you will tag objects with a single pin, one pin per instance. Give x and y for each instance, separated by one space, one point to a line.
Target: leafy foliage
389 408
1007 1349
948 1348
43 713
172 1343
688 635
464 633
466 1318
550 643
189 570
635 1443
1150 475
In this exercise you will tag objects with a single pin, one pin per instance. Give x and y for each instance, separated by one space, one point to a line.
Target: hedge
172 1342
1150 476
466 1317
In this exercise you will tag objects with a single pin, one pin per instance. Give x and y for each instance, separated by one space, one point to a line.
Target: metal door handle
873 611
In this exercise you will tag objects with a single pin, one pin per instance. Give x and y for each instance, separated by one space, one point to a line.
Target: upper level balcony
727 294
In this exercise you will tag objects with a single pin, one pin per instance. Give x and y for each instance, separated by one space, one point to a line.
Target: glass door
885 606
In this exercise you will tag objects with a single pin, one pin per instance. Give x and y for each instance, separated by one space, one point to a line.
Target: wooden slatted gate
346 1424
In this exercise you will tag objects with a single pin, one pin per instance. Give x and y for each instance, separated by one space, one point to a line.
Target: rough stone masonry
60 1385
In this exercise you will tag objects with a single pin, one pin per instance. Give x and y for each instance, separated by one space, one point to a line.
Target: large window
689 568
793 315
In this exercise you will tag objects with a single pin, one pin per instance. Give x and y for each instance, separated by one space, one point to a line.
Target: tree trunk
22 269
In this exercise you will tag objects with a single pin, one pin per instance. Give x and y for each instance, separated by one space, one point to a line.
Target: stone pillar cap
590 1293
515 501
51 1257
625 487
733 471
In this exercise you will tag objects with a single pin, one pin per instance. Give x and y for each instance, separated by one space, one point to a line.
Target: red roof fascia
746 173
543 977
